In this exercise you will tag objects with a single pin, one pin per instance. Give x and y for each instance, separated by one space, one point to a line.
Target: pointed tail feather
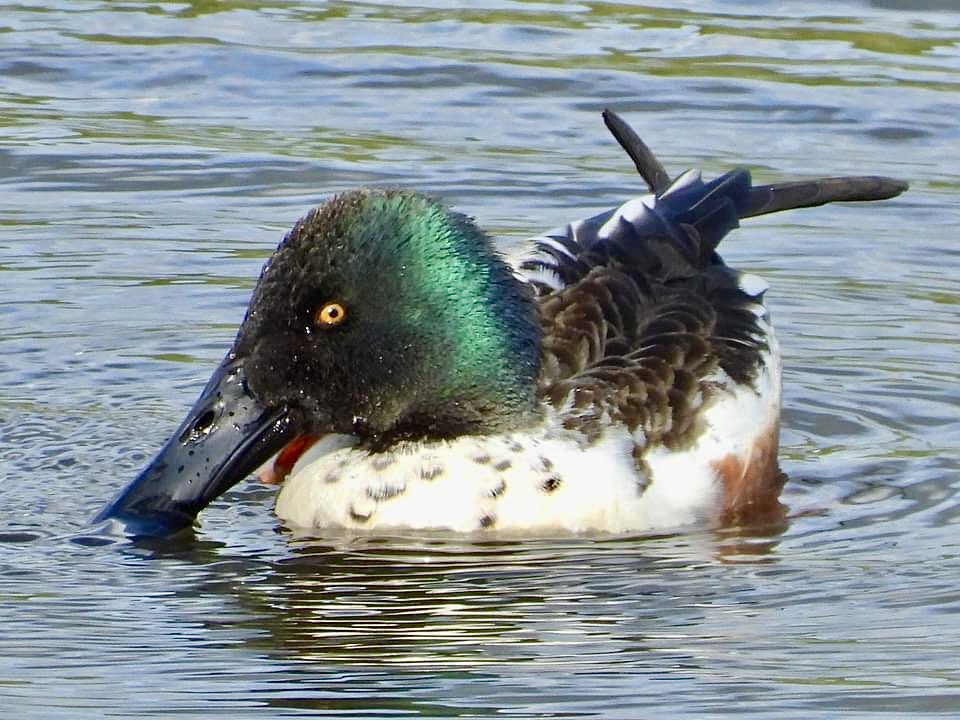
763 199
675 232
648 166
810 193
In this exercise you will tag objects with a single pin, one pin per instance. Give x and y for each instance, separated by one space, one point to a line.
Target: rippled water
153 154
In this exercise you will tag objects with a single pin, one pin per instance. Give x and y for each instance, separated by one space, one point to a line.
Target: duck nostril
200 427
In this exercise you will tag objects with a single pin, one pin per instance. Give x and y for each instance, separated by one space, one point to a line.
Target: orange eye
330 315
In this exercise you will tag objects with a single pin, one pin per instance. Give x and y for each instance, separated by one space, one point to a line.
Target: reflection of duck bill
223 439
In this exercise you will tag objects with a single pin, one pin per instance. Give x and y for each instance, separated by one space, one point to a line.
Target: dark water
151 155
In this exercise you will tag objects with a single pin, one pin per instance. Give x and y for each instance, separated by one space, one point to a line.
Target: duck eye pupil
330 315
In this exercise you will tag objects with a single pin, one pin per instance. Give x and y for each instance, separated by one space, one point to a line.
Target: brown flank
752 484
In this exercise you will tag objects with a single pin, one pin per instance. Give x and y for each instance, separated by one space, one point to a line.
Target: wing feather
643 322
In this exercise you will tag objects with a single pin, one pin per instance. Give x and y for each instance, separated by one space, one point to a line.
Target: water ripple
152 156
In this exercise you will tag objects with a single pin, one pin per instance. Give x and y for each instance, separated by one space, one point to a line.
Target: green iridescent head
385 314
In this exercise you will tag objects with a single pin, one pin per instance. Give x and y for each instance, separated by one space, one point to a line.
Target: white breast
515 482
547 480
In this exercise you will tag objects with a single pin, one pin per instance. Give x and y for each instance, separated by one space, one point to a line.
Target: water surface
151 155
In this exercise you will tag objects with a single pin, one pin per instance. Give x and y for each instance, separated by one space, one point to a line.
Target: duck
394 369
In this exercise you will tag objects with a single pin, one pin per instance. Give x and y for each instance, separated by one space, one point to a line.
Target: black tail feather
763 199
647 164
676 236
810 193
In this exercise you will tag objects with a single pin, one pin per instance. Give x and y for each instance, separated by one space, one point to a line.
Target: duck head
381 315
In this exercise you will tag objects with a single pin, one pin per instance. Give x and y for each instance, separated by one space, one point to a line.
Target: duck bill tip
225 437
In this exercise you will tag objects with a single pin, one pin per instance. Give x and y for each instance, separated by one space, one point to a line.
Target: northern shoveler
394 370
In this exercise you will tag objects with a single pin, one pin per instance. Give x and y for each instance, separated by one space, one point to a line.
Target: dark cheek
262 373
277 367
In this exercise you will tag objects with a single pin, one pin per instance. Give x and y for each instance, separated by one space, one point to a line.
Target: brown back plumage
624 350
640 313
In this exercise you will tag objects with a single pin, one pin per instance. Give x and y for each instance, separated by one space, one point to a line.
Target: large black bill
225 437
